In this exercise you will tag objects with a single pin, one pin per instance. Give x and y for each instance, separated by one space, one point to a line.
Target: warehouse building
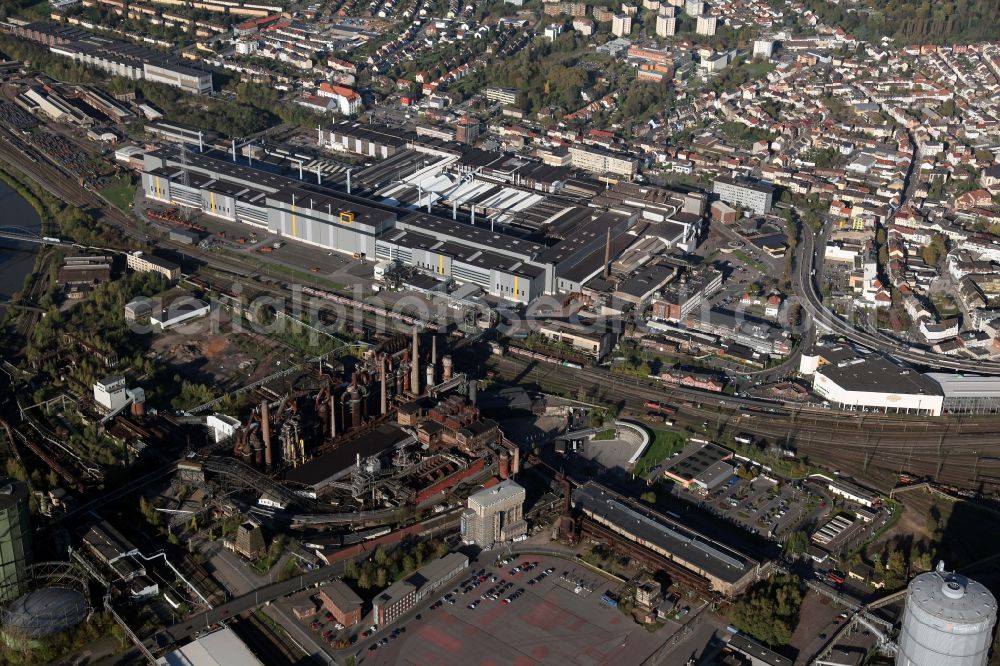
701 465
110 548
725 569
875 383
848 491
218 648
504 265
968 394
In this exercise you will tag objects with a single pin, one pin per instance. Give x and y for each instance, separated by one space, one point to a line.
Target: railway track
944 448
871 447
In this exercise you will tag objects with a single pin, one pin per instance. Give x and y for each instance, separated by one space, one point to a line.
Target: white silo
948 621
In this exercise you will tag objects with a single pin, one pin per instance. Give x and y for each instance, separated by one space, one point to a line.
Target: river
16 259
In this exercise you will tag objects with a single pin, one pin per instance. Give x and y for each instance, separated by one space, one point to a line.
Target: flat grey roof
696 459
966 386
719 560
481 235
756 186
756 651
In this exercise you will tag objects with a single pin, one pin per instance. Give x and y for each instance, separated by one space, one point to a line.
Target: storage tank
948 620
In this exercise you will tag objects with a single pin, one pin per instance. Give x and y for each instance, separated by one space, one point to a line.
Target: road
249 601
809 265
239 579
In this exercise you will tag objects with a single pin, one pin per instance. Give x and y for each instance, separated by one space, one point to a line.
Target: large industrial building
15 538
866 381
610 516
855 378
388 227
948 619
495 515
969 394
219 648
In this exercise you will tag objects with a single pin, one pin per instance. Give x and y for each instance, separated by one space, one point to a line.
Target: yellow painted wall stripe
212 195
294 225
515 287
441 264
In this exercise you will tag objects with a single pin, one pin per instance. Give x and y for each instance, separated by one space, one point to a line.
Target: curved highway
810 264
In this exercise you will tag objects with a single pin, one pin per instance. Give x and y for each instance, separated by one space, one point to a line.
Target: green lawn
121 193
604 435
665 443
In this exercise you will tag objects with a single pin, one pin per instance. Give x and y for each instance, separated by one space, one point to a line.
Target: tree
351 569
381 577
933 253
895 569
364 582
769 611
797 542
649 497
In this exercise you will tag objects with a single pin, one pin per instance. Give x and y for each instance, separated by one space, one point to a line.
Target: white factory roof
220 648
966 386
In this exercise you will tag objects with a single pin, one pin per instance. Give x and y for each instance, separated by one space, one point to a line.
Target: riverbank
21 264
23 191
18 260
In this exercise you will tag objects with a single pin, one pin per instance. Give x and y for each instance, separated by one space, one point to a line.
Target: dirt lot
815 618
966 531
215 355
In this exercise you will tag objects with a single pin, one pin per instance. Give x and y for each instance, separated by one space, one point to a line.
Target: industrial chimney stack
382 388
265 426
415 364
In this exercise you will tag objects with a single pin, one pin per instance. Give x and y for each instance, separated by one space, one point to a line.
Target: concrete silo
948 621
15 538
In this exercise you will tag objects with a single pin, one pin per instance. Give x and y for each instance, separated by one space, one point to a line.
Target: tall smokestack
265 426
415 364
434 350
333 416
607 256
382 389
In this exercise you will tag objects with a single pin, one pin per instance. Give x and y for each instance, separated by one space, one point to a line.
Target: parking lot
759 505
556 619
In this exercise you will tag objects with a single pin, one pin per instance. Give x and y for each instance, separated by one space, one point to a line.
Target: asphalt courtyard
548 624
